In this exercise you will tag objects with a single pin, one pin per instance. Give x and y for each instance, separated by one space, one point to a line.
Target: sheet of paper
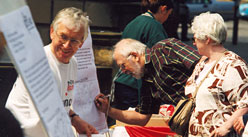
87 88
25 49
245 133
94 135
10 5
120 130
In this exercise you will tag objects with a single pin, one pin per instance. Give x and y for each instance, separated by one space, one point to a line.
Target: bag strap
197 88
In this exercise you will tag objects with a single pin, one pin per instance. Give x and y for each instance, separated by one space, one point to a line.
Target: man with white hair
164 69
68 31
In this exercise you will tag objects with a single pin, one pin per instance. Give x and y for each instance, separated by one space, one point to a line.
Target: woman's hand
239 125
220 132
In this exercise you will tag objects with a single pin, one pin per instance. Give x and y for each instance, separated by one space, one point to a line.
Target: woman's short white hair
125 46
210 25
73 18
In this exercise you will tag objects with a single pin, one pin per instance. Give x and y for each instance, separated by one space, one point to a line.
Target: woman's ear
208 41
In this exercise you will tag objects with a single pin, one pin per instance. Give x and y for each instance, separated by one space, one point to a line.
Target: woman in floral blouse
222 96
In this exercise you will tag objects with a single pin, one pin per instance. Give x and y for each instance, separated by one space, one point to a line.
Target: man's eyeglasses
193 40
73 42
122 66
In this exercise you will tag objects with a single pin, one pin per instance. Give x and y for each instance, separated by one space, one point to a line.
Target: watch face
73 115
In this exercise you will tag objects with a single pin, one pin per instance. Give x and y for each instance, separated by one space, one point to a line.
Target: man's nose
67 44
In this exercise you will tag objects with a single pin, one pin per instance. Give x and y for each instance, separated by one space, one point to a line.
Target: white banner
87 88
25 49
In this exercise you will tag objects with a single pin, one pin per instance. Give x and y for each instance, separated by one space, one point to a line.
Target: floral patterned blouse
222 92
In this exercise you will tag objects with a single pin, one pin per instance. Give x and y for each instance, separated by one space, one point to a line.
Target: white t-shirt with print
21 105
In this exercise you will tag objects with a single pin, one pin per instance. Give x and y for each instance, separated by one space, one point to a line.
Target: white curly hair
125 46
210 25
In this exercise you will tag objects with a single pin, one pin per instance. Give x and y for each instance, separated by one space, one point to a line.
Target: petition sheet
25 49
87 88
245 133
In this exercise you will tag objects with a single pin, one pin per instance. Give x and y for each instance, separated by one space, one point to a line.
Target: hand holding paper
83 127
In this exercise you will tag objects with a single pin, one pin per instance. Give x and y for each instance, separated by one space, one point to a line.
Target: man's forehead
63 28
119 58
67 27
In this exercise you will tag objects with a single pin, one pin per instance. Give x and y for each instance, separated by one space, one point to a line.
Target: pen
106 96
103 97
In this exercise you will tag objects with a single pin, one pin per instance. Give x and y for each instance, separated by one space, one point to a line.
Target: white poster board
87 88
245 133
25 49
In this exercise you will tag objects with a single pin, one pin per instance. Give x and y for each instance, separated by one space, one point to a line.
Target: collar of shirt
147 55
149 14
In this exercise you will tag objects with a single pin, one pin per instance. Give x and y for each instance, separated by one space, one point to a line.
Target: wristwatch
73 115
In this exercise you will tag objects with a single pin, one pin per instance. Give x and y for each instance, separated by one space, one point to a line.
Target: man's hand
83 127
239 125
101 103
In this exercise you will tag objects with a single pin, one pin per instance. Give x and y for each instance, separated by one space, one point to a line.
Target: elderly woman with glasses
221 79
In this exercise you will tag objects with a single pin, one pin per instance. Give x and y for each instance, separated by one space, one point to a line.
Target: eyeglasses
73 42
123 65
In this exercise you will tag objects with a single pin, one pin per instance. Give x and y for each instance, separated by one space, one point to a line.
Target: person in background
164 69
68 31
9 126
184 19
222 97
8 123
148 29
179 15
172 23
